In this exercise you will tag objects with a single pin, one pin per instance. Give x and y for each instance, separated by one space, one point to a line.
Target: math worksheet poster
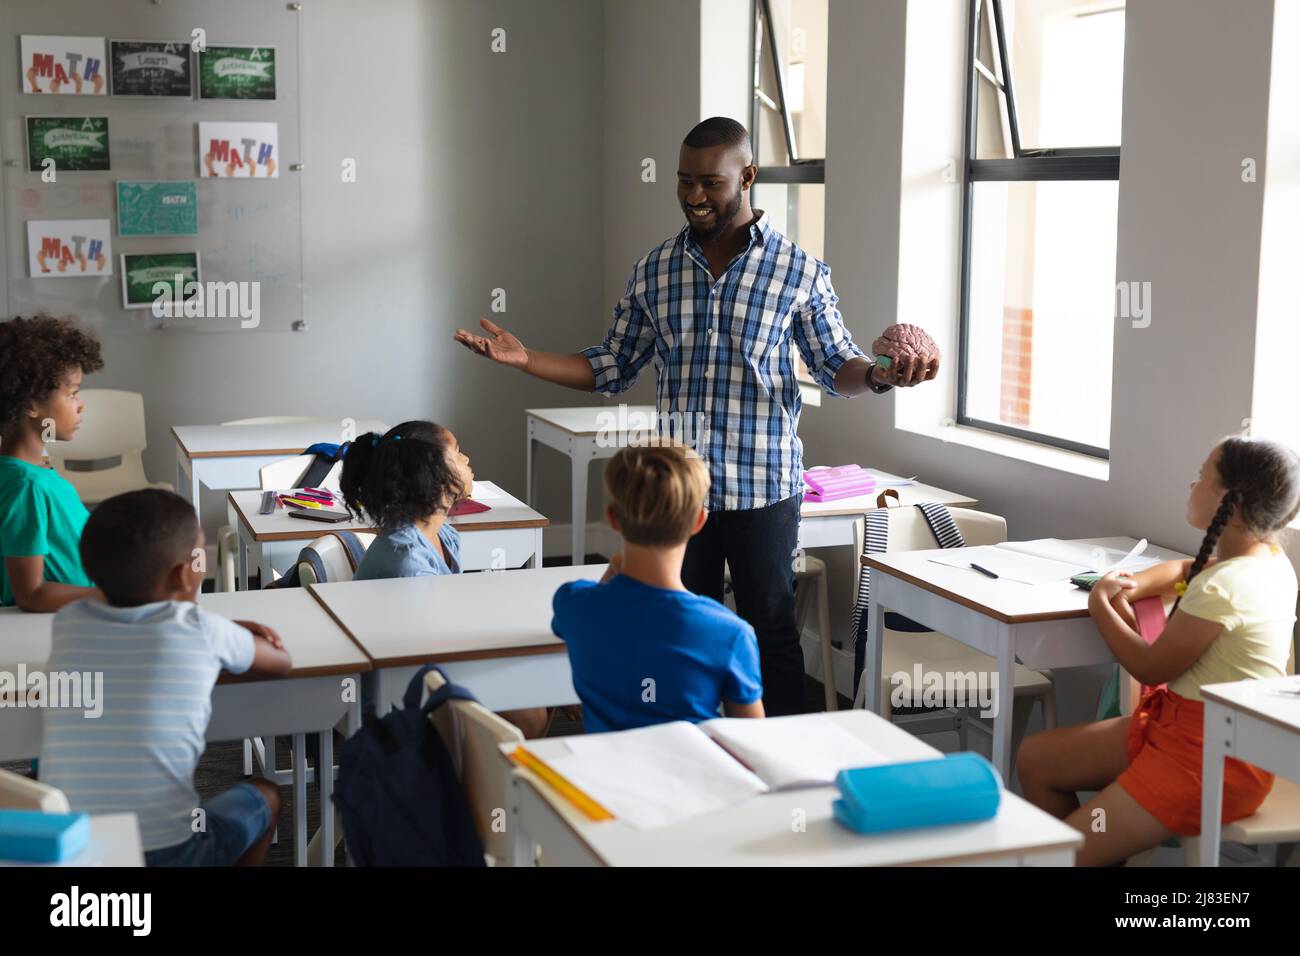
63 65
237 73
151 68
69 248
239 150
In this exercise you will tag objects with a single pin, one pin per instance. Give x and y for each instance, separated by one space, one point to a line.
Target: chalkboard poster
142 274
157 208
237 73
77 144
151 68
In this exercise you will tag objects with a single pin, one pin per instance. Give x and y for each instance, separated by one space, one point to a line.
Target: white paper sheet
1044 560
787 752
654 776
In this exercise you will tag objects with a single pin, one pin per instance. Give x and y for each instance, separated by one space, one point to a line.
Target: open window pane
1042 294
1067 71
799 30
799 212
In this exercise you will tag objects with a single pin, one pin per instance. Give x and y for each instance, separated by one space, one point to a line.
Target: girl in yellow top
1232 620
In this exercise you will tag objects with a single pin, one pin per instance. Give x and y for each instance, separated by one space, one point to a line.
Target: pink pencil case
842 481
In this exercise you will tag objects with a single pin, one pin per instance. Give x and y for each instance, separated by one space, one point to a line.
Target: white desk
762 832
114 841
229 456
1246 721
1042 626
508 535
491 632
311 699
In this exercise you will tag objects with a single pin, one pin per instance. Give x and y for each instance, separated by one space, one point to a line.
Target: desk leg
538 541
243 562
874 657
1217 745
530 466
522 851
1005 703
579 459
325 785
299 799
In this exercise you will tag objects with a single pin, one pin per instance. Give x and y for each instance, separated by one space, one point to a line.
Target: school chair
23 793
227 536
473 736
1276 823
105 457
940 654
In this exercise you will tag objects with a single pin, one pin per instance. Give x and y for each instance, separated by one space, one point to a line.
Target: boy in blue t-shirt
643 649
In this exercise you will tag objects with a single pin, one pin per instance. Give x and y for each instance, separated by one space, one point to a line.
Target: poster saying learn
63 65
239 150
69 248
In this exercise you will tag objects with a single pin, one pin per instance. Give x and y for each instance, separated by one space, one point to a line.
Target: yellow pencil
302 501
589 807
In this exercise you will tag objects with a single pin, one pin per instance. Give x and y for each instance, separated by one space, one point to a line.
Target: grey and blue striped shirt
724 355
159 663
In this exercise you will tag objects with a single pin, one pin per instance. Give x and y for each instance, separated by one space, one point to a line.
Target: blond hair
656 491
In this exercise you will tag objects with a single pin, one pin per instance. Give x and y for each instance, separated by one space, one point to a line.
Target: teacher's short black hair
717 131
131 541
400 477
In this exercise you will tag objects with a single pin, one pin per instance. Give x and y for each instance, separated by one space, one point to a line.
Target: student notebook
654 776
1047 559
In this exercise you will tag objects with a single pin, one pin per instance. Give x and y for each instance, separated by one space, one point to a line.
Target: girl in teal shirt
42 363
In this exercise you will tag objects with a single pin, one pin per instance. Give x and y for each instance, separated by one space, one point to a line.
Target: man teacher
720 308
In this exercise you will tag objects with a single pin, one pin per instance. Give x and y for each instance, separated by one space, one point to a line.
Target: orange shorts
1165 737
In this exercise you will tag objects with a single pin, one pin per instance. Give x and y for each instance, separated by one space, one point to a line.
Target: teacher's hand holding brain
905 355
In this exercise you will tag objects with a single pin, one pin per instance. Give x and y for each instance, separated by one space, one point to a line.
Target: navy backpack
401 801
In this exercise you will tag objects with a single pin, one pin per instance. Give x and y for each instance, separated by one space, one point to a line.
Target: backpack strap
942 526
448 691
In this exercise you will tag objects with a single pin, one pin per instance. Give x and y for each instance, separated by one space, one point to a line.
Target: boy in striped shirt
159 654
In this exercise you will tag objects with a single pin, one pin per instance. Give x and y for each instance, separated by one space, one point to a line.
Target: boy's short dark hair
35 355
130 541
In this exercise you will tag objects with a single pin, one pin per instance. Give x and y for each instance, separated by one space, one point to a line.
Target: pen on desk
985 571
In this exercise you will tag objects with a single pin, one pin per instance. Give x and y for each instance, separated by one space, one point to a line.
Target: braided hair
1262 479
400 477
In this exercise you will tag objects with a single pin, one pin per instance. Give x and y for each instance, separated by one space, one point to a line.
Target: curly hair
400 477
1262 479
35 355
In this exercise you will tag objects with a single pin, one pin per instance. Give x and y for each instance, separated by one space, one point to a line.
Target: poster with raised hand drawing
69 248
63 65
239 150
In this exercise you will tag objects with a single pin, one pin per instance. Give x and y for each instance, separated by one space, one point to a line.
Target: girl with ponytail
405 482
1232 619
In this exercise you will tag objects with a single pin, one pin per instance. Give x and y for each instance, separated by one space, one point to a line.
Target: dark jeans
758 545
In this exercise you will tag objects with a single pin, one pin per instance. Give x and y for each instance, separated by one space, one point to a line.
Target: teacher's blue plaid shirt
722 353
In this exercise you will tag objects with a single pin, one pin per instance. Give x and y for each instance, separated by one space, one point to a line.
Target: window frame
800 170
1047 164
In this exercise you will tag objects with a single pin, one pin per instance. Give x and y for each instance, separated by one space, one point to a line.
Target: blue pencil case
959 788
35 837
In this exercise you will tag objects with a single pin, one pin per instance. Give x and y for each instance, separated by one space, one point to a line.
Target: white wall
475 171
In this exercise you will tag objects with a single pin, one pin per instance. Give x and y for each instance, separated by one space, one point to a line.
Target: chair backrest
908 530
333 558
23 793
112 426
473 735
284 474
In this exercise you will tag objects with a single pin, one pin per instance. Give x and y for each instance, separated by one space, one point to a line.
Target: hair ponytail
356 467
1227 505
400 477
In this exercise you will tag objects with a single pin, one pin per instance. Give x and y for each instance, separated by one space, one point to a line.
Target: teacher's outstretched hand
572 371
498 345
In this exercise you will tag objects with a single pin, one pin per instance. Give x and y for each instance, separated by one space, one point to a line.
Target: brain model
904 341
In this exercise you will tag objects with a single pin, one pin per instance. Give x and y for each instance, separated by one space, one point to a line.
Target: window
787 123
1044 84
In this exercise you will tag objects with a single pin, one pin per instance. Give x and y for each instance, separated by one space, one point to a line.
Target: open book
1047 559
653 776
